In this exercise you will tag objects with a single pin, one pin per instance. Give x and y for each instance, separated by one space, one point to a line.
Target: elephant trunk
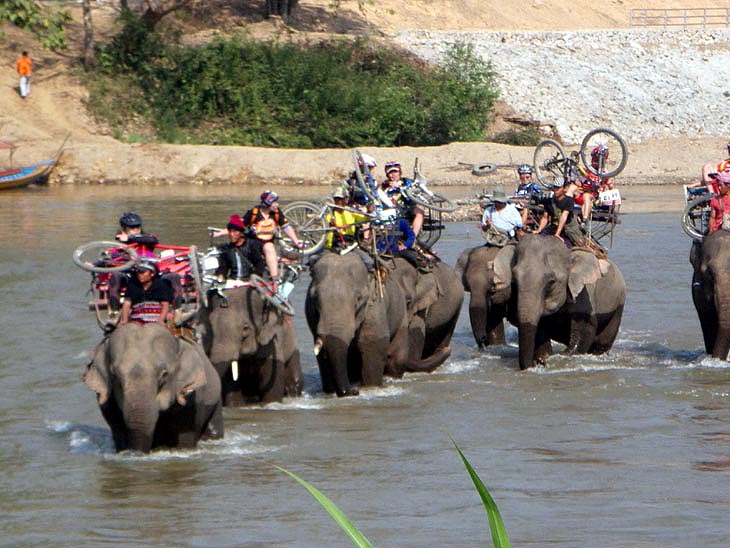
333 364
527 335
140 417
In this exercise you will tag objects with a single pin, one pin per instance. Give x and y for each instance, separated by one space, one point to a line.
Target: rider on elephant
501 222
263 220
241 256
391 195
148 296
558 219
720 204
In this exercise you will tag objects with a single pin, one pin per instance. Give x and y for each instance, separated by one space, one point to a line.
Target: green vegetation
528 137
496 525
46 23
334 94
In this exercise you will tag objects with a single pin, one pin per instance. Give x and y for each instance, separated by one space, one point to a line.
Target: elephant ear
96 376
427 291
502 266
191 373
584 270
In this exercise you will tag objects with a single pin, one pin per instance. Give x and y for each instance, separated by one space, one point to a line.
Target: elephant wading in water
433 303
569 296
487 305
155 390
359 326
253 347
711 291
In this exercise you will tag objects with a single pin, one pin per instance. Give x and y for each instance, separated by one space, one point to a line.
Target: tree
157 9
46 23
282 8
88 53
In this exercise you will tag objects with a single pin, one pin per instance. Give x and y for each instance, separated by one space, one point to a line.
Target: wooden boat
22 176
16 177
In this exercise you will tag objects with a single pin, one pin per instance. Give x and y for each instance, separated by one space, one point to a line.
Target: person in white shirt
501 221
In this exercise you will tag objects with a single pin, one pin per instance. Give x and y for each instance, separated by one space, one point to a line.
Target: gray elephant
155 390
433 303
711 295
358 321
571 297
487 305
253 347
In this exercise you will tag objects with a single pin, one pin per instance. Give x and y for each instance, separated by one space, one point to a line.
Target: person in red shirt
24 66
720 204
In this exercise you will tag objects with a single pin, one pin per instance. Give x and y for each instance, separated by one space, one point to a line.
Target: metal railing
680 17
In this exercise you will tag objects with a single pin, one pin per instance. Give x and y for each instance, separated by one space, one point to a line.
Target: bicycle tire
309 224
547 162
263 289
480 170
431 200
616 145
194 259
696 216
78 257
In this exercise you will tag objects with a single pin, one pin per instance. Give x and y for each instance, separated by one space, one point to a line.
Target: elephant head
142 372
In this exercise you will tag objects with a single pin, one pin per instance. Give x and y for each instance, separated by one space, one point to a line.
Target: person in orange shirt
24 66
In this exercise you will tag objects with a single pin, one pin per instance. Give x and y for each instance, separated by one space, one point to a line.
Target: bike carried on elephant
107 261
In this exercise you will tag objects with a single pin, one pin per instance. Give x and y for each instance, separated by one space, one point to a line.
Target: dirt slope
56 105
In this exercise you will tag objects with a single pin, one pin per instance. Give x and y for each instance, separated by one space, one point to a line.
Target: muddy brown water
624 450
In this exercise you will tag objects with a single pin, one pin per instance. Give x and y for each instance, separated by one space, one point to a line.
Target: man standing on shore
24 66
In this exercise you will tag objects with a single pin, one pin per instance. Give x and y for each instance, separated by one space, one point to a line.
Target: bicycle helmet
147 264
268 197
130 220
390 167
723 166
523 169
369 161
600 150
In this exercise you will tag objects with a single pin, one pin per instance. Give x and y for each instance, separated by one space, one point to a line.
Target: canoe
22 176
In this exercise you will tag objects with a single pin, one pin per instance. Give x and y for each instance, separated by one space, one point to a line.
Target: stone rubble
641 83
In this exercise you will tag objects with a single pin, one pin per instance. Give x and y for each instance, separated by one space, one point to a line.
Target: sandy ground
55 110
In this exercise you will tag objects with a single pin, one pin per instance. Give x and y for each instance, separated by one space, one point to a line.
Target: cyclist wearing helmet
526 190
262 222
709 176
391 195
591 184
131 233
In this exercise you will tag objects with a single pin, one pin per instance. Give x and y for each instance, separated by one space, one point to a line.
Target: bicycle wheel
481 170
309 224
696 217
548 161
272 297
426 198
93 257
610 163
194 258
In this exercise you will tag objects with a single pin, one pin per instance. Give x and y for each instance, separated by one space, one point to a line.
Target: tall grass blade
496 525
357 538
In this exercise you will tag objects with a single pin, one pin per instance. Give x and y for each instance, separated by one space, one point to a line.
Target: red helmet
600 150
268 197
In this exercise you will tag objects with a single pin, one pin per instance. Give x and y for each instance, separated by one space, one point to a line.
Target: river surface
628 450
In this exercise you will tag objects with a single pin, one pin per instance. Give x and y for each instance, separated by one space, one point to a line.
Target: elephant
155 390
569 296
358 322
710 259
253 347
487 306
433 301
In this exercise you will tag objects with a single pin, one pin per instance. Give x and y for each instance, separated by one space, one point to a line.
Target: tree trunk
88 54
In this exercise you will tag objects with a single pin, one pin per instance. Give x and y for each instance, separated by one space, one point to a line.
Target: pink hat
723 178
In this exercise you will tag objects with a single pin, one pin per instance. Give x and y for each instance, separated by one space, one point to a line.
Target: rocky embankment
642 83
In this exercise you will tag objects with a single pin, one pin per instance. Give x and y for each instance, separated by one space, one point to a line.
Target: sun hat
339 193
499 196
236 223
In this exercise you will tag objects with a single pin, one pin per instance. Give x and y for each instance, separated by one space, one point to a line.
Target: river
631 449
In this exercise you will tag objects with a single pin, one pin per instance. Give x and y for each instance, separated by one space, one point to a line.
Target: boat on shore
16 177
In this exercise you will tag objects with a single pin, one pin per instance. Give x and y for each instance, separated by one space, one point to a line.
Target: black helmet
130 220
524 168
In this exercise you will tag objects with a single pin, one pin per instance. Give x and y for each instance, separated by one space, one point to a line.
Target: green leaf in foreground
357 538
496 525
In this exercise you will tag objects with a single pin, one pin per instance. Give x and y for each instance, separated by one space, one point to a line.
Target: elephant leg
270 380
478 318
417 337
294 377
605 339
209 422
582 333
495 324
706 312
372 361
543 346
115 419
395 364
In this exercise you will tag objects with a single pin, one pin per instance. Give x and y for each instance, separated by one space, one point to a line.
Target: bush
528 137
333 94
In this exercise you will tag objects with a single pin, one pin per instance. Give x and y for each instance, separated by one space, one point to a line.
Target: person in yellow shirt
344 220
24 66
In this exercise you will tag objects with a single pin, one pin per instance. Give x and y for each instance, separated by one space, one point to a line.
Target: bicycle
696 215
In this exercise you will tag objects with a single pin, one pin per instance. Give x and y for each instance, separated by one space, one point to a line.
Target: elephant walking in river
569 296
710 259
155 390
253 347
